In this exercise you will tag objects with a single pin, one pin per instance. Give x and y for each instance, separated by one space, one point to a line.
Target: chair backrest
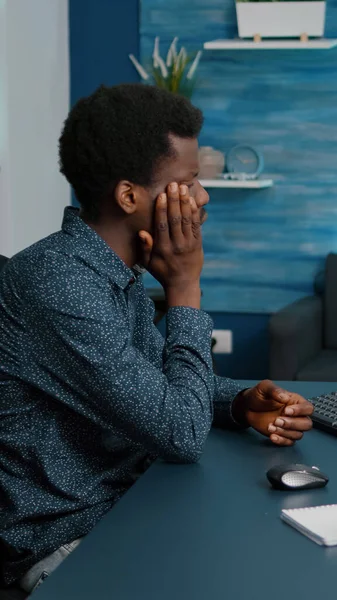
3 260
330 302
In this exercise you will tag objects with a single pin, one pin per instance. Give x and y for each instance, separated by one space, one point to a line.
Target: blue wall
102 34
262 247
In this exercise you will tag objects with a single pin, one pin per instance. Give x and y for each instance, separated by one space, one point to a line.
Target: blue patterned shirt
90 392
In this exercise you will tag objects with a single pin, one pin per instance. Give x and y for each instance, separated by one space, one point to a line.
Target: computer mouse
294 477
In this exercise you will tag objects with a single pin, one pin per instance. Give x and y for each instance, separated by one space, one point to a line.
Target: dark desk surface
209 531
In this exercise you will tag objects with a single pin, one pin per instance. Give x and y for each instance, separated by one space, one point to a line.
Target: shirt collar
95 251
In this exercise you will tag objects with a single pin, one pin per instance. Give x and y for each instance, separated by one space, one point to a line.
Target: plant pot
280 19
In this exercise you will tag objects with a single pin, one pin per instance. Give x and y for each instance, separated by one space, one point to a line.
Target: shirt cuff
190 320
234 421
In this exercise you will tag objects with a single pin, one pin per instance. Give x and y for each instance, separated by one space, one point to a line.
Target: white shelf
253 184
240 44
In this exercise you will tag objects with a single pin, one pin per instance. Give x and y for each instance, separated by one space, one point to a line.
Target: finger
195 216
161 223
146 246
268 389
146 239
186 214
280 394
173 210
298 424
280 440
286 433
301 409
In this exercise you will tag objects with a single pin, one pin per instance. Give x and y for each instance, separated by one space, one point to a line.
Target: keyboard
325 413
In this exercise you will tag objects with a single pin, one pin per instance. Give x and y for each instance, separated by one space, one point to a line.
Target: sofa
303 335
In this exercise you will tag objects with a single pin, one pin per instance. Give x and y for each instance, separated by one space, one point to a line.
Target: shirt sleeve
81 354
225 390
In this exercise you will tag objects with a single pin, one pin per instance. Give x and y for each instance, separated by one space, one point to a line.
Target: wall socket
224 341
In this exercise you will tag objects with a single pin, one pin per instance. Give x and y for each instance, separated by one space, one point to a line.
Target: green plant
177 74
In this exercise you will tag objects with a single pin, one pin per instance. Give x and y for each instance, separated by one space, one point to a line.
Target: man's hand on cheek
280 415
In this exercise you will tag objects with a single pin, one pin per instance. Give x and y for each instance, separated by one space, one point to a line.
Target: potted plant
280 18
177 73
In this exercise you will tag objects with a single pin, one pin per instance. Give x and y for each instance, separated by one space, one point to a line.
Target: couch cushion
330 302
321 368
319 283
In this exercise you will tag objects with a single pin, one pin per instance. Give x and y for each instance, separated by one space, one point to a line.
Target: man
90 393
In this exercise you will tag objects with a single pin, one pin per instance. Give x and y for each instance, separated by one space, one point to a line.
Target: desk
209 531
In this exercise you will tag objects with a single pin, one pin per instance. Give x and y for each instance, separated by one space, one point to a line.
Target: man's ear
126 196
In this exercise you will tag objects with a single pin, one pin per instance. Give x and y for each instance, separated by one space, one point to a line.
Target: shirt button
132 280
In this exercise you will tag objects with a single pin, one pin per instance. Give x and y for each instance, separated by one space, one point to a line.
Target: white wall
34 101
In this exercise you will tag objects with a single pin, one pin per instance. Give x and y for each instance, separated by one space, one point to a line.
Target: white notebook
319 523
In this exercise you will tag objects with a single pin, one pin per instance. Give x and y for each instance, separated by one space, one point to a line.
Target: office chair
3 260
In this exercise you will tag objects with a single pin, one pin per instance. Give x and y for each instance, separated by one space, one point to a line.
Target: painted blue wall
262 248
102 34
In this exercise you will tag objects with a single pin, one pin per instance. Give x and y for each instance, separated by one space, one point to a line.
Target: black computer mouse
296 477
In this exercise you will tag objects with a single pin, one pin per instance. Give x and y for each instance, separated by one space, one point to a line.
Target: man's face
182 168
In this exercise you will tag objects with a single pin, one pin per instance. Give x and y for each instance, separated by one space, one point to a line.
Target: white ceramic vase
212 162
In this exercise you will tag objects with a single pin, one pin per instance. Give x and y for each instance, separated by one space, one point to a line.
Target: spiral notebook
319 523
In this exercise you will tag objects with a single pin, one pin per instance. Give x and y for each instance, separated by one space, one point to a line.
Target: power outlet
224 341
